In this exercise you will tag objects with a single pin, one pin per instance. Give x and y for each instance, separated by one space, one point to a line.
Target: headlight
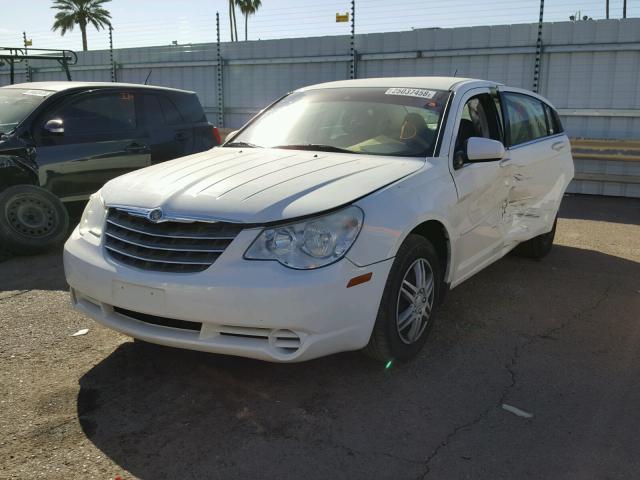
92 220
311 243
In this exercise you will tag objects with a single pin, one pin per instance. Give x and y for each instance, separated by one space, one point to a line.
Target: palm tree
232 20
248 7
82 13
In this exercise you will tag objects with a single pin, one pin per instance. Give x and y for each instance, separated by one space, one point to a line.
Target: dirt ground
558 339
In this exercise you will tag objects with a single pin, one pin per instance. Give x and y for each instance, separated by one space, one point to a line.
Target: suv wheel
412 293
31 219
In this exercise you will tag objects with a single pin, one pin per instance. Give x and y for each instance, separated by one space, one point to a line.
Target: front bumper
256 309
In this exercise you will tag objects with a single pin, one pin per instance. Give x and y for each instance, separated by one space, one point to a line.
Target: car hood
256 185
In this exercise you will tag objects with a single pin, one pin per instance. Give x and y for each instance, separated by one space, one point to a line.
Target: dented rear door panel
536 176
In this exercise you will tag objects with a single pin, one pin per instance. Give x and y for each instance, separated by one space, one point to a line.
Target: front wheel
31 219
411 295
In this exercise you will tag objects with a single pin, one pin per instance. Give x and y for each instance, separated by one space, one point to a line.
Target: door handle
181 136
558 146
136 148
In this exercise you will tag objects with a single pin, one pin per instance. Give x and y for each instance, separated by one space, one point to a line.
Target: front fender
392 213
15 170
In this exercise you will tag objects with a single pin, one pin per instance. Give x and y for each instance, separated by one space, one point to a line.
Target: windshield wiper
242 144
316 147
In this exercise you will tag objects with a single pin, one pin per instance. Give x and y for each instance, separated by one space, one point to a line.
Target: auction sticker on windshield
411 92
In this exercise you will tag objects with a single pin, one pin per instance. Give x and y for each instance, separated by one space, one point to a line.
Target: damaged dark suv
61 141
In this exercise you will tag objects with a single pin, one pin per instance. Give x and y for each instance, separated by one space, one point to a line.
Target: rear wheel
540 246
412 293
31 219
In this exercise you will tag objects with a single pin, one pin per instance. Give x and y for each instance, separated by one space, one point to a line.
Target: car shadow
35 272
160 412
599 208
44 271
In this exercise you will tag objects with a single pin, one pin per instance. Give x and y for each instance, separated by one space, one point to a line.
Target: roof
435 83
61 86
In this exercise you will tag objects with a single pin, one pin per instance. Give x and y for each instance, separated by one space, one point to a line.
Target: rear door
167 141
191 110
102 139
182 128
534 165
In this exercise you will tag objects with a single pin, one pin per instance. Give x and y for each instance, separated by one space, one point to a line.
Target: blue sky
159 22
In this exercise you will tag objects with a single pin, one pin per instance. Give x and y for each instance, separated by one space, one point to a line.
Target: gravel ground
559 339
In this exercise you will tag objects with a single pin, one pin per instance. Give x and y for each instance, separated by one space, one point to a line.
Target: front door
102 139
481 187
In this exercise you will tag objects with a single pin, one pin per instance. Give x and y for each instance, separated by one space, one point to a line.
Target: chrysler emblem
155 215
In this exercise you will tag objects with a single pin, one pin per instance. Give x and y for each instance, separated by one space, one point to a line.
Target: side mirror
55 126
484 150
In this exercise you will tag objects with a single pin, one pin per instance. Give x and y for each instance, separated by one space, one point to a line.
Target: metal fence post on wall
26 60
114 77
536 66
219 84
353 73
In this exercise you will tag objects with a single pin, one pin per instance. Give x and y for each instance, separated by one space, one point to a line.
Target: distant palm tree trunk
83 30
246 26
624 9
231 18
607 9
235 23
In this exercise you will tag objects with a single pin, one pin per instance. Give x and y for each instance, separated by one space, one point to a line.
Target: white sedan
335 220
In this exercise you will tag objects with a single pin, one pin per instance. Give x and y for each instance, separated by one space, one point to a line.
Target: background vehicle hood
256 185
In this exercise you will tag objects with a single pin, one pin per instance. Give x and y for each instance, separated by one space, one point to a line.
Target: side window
171 114
102 116
190 107
526 118
152 111
553 120
479 119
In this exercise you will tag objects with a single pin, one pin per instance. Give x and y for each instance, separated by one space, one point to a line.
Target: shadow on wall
162 413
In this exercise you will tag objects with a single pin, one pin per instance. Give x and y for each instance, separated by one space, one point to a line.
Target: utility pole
114 76
607 9
353 72
26 60
536 66
624 9
219 84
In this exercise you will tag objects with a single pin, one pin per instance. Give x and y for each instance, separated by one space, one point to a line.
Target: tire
391 338
538 247
32 219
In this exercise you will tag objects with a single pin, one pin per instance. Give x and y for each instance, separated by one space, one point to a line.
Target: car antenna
148 75
455 73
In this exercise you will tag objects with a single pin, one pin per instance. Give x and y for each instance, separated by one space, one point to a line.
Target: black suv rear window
190 107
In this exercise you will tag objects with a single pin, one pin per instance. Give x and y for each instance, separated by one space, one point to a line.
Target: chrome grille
167 246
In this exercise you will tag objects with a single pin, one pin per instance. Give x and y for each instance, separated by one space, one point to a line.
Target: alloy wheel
415 301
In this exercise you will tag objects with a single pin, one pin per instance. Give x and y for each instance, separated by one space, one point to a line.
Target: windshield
377 121
16 104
